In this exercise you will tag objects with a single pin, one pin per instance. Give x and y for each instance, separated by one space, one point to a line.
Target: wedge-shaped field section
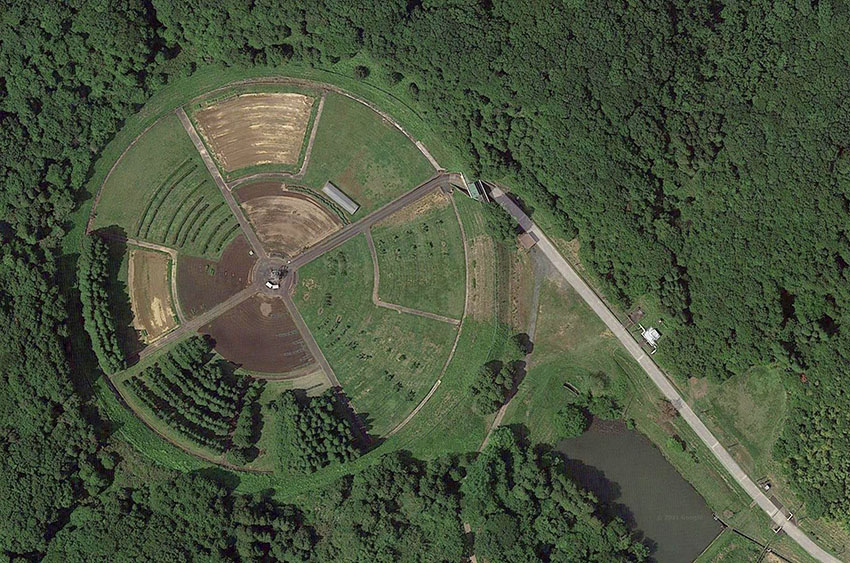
420 257
385 361
202 283
255 129
161 192
150 293
260 336
286 221
364 155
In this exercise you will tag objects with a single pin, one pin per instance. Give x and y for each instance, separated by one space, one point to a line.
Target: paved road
222 185
660 380
350 231
376 274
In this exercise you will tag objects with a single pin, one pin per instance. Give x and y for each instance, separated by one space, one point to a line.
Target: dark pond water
624 469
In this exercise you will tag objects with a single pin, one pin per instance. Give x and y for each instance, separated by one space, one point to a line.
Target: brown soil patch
260 335
434 200
250 191
482 283
150 293
254 129
290 222
203 284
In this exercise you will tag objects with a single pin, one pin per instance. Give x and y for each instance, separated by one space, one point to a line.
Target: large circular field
267 212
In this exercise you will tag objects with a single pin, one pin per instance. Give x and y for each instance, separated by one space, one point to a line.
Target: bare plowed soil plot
286 222
260 336
254 129
203 284
150 293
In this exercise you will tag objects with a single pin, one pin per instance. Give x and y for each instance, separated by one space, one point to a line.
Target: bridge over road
660 380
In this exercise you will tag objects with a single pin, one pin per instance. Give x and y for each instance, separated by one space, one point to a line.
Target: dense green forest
98 319
701 152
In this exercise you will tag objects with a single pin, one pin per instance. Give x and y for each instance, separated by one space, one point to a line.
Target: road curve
660 380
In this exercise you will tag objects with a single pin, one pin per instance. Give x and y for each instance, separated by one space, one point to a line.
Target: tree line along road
660 380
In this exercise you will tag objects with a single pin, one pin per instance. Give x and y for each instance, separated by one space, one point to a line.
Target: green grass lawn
421 261
386 361
367 158
161 192
730 547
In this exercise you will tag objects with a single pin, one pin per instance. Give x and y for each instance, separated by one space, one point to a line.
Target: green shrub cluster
312 432
98 319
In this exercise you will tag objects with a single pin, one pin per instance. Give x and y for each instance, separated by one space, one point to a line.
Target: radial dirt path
660 379
222 185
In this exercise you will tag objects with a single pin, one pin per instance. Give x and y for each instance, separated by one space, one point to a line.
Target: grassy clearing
730 547
367 158
421 261
573 345
161 192
385 361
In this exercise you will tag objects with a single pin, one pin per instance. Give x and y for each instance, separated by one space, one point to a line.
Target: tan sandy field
150 293
254 129
291 222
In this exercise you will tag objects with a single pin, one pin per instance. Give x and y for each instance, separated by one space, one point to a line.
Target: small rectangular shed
340 198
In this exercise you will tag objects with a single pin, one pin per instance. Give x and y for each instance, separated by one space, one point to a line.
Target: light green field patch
161 192
363 155
730 547
421 261
386 361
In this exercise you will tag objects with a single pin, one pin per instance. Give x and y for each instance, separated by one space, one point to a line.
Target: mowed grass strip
386 361
366 157
161 192
421 259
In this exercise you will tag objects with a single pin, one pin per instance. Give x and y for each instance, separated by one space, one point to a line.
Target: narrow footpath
654 372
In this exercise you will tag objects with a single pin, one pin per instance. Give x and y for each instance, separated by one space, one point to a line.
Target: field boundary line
309 148
433 390
378 302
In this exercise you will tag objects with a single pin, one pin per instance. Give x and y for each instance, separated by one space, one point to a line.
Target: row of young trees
202 401
98 319
686 171
312 432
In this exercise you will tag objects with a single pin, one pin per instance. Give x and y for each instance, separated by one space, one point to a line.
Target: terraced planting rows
198 400
421 260
385 361
187 212
161 192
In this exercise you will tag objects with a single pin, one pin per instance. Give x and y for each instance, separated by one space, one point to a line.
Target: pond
623 469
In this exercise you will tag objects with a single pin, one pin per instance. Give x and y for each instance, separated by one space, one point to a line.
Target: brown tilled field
286 222
253 129
260 336
150 293
203 284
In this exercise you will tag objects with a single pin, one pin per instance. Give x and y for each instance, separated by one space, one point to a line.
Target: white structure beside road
340 198
661 381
